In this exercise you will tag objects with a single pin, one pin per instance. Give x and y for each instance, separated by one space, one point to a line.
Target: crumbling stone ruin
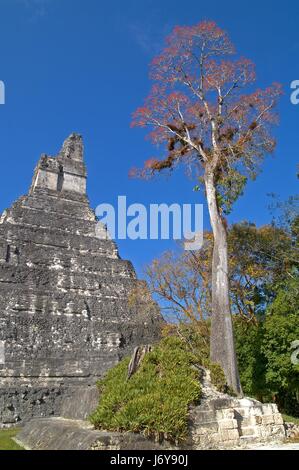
223 421
65 317
220 421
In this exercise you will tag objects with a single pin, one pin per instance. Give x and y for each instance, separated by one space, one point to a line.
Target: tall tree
197 110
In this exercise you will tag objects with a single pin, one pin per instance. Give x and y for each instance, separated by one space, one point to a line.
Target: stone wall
21 402
222 421
64 434
231 422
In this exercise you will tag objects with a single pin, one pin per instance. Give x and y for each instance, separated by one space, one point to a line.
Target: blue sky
82 65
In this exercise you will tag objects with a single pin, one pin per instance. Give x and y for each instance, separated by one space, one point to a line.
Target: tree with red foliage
198 112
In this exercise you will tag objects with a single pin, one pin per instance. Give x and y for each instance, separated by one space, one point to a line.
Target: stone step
46 237
209 427
247 422
78 209
247 431
247 412
220 403
50 219
203 416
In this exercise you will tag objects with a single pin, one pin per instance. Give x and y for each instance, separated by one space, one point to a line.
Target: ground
6 442
286 446
290 419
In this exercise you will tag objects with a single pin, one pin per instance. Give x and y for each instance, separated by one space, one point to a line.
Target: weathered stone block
265 431
228 424
278 430
258 420
278 418
241 412
63 434
240 422
199 417
246 402
207 440
248 431
228 413
255 411
204 428
229 434
268 419
269 409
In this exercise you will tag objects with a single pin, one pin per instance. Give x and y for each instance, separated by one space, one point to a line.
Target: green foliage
290 419
155 400
6 442
230 186
252 363
196 337
260 259
281 328
218 378
264 350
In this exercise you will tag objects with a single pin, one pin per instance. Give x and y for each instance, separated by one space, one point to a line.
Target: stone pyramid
66 314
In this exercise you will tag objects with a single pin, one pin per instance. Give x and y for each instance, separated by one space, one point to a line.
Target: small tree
259 260
196 109
181 281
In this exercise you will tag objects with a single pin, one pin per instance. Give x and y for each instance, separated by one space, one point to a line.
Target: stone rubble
222 421
292 430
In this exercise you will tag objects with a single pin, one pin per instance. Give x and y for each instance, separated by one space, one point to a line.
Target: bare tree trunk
222 344
136 359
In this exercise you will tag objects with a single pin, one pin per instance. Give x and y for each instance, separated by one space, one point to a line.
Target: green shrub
264 350
156 399
218 378
290 419
281 328
195 336
251 361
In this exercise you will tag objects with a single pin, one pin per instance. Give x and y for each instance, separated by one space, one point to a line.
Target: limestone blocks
232 422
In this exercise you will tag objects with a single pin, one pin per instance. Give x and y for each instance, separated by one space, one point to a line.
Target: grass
6 441
290 419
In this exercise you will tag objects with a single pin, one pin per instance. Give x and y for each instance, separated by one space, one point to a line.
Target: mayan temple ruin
65 313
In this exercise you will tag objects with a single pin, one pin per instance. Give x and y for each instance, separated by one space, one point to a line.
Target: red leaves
177 60
260 104
159 109
237 73
150 163
204 33
140 117
196 108
133 172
